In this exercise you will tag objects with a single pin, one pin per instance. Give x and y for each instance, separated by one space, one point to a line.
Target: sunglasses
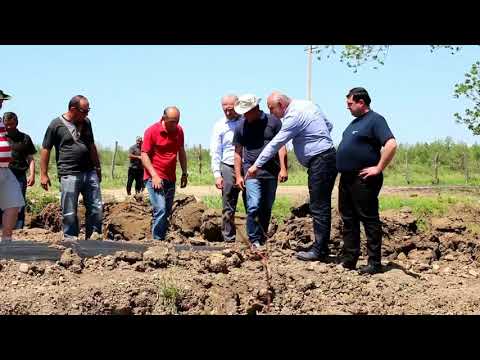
83 111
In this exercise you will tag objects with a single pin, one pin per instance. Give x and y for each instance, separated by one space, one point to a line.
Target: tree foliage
470 89
355 56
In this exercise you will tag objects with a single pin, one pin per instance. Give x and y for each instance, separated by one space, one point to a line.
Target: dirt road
300 192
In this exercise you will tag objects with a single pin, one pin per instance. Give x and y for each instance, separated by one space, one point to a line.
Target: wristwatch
185 175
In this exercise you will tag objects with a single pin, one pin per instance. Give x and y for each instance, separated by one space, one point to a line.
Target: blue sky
129 86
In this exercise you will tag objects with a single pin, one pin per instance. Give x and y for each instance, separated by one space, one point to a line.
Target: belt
321 155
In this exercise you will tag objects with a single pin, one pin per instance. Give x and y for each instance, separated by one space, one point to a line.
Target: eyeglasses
83 111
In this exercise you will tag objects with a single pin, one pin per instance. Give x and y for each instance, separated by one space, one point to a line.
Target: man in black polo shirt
22 159
78 167
253 132
361 163
135 170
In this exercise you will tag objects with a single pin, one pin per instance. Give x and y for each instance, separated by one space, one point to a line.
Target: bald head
278 103
171 118
228 103
171 112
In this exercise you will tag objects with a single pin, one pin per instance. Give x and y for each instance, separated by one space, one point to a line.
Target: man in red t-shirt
161 144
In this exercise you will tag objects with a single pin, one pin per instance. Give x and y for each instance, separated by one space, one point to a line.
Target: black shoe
349 265
371 269
311 255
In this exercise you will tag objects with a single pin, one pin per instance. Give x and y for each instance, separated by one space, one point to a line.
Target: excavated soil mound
130 220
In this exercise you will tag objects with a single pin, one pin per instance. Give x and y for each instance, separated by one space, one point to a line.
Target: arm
147 164
283 175
44 159
182 157
96 161
31 167
388 153
238 167
289 130
132 156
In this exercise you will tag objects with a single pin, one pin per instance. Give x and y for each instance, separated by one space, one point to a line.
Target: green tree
355 56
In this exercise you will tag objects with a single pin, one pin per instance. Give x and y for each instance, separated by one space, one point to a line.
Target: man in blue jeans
78 167
161 144
305 124
254 131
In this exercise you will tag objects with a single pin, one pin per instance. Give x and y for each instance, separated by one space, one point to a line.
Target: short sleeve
238 136
181 138
49 138
381 130
147 141
30 147
89 134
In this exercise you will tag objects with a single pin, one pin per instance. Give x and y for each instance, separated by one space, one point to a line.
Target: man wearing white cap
255 130
305 124
11 198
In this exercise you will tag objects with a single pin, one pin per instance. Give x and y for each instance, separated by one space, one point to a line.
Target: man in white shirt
222 154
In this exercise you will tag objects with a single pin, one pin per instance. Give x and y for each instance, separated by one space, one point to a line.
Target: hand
283 176
45 182
183 180
251 172
99 174
157 182
31 180
219 183
370 171
240 183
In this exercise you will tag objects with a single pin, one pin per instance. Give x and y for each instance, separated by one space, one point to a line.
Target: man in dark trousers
22 159
135 170
361 164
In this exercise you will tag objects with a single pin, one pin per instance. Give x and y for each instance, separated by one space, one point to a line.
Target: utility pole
309 49
309 72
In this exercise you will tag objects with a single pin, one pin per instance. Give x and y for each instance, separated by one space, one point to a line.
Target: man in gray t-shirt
78 167
135 170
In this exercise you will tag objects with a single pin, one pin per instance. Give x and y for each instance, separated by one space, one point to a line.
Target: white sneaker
256 244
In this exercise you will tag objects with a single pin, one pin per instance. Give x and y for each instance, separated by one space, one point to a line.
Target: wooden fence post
200 159
435 169
113 159
407 174
465 167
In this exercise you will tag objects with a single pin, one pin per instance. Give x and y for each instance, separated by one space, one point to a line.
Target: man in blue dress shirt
305 124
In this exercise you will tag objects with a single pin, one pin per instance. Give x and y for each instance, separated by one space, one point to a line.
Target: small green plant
38 199
170 295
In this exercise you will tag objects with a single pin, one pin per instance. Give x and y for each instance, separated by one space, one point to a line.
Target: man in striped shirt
11 199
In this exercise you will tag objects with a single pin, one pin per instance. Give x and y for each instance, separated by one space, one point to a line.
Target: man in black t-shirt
253 132
361 163
135 170
22 159
78 167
